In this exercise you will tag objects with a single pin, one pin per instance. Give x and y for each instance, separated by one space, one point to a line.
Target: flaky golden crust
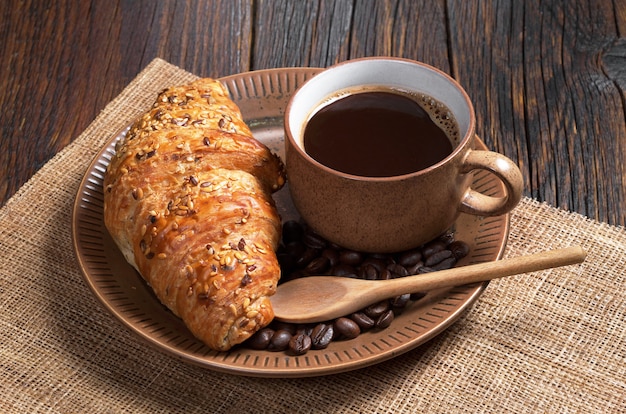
187 199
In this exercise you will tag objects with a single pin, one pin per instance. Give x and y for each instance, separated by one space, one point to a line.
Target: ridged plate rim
262 96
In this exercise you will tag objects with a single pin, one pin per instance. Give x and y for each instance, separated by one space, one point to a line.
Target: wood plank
67 60
329 32
543 99
52 81
288 42
207 38
410 29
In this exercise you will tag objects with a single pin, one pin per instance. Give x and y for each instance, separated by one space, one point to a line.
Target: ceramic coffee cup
398 212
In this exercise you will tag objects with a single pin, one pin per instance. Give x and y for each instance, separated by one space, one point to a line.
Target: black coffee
380 134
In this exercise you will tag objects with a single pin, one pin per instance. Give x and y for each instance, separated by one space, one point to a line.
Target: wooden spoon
322 298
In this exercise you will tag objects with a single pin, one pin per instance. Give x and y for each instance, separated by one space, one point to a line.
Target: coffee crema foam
441 115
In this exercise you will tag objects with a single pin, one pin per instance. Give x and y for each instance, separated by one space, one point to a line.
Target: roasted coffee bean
313 240
379 256
300 344
284 326
378 264
437 257
361 272
295 249
334 246
322 335
385 274
350 257
332 255
364 321
303 252
410 258
446 238
261 339
287 263
318 266
459 249
400 302
445 264
432 248
306 257
347 328
417 295
292 232
280 340
397 270
304 329
344 270
368 272
413 270
377 309
385 319
298 273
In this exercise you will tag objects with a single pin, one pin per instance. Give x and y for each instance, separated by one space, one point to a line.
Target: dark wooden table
547 78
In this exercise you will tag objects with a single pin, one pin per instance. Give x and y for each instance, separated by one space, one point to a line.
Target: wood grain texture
211 38
535 76
54 80
546 77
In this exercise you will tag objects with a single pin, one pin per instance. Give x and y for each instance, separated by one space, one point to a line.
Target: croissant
187 199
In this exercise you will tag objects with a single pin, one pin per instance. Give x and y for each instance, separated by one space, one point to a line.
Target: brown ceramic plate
262 97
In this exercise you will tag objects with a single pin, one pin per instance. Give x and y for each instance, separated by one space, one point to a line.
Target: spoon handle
487 271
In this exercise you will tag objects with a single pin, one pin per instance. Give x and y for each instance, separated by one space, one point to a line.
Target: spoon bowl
322 298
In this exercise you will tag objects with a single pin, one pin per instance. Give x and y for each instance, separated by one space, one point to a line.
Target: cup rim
463 142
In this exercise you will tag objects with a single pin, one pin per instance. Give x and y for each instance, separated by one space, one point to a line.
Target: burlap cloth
551 341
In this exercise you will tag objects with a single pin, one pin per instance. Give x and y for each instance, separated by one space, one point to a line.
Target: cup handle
477 203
